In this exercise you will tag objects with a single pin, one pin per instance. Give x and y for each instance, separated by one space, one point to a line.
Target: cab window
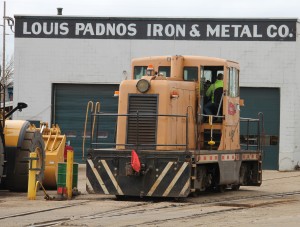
139 71
190 73
233 82
208 75
165 70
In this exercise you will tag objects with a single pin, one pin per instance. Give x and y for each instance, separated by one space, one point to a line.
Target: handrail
220 104
97 109
258 133
144 145
248 119
139 115
89 105
262 135
214 116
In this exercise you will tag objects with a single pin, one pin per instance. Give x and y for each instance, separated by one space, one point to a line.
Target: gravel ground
275 203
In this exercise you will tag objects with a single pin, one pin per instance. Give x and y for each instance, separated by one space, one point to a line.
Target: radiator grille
142 130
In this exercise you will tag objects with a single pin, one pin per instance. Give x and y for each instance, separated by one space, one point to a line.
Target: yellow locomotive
167 144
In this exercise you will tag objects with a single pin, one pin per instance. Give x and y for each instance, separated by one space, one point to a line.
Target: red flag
135 161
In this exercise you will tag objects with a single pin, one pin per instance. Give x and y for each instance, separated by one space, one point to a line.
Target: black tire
17 177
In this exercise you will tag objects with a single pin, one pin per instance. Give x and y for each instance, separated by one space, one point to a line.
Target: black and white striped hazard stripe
170 179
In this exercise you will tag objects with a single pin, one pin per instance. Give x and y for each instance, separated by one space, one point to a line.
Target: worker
212 105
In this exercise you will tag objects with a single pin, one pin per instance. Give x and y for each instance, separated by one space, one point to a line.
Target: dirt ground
275 203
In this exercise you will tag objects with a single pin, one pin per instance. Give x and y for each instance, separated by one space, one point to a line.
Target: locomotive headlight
143 85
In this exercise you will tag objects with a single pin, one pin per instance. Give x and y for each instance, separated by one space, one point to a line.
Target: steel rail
148 207
122 210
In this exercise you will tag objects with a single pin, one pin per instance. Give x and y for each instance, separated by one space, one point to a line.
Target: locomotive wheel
235 187
17 177
220 188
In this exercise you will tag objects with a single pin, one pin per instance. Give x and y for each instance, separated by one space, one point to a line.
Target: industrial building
62 62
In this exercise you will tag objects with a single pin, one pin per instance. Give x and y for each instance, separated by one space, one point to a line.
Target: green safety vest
211 90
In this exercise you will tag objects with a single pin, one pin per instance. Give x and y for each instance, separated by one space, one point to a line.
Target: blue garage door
69 112
267 101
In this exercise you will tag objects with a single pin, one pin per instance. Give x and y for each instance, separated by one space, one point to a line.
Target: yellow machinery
17 140
21 139
55 144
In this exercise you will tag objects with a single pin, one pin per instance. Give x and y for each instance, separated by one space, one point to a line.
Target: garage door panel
70 102
69 111
267 101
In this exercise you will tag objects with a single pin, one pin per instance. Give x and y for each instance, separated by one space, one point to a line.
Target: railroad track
151 211
88 210
40 211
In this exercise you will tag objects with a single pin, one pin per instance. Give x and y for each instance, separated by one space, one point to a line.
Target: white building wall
41 62
293 158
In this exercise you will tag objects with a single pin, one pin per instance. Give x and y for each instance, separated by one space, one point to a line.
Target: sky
152 8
